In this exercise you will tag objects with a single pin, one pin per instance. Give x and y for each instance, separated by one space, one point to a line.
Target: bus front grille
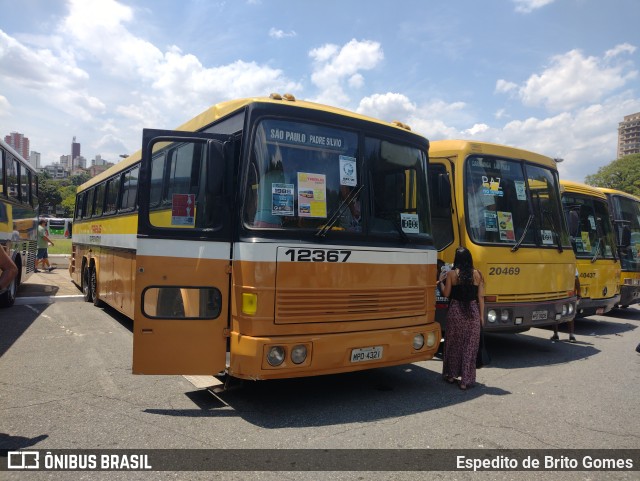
331 305
532 297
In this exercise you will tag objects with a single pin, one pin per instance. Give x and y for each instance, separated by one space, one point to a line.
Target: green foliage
48 193
621 174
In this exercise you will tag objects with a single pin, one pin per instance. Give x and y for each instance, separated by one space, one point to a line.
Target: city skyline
555 77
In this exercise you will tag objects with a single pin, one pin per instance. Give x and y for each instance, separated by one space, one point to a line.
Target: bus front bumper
591 307
330 353
518 317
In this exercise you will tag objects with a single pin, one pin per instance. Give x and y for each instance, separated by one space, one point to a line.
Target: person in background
8 268
464 286
572 338
42 257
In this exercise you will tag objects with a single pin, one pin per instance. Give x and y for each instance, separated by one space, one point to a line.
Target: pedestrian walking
42 258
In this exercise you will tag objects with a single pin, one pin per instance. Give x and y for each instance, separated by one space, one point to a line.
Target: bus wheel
8 297
86 284
93 283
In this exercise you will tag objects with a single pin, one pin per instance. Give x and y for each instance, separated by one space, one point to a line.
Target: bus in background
503 204
265 238
591 233
59 226
625 209
18 217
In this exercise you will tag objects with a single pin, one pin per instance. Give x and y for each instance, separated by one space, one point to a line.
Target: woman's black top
464 292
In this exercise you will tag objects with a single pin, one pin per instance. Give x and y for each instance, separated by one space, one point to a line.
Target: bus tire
86 284
93 283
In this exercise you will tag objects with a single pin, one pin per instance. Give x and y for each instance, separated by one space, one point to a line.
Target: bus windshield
589 227
329 181
629 227
511 202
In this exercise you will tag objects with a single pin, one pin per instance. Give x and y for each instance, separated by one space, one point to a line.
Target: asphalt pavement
47 287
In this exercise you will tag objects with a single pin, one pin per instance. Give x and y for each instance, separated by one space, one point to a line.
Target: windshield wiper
597 254
403 234
524 233
335 215
554 231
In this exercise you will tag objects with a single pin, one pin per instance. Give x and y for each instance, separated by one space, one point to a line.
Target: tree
621 174
48 195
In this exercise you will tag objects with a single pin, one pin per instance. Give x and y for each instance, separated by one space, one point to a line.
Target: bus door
183 254
446 236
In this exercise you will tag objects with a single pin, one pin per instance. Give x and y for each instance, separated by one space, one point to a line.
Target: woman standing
464 286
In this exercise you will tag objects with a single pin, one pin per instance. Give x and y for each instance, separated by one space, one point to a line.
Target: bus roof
579 188
606 190
223 109
443 148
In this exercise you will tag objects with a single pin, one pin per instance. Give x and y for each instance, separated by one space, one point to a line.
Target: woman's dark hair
463 261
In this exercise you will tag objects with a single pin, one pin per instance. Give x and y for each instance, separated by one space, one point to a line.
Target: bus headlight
492 315
431 339
504 315
299 354
570 309
418 342
564 309
275 356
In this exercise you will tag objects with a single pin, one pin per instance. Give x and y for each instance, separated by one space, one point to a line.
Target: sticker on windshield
505 223
348 173
282 199
547 237
490 221
491 186
586 243
410 223
312 195
521 191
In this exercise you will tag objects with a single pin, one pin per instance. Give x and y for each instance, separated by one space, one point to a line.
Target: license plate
366 354
539 315
600 311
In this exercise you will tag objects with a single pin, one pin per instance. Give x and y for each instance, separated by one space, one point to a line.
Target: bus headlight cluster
277 354
418 341
431 339
571 309
504 315
565 309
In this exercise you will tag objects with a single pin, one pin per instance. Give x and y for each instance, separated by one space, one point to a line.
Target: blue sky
553 76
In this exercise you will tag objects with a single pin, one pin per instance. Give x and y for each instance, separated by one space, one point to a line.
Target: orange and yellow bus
265 238
18 217
625 209
503 204
593 241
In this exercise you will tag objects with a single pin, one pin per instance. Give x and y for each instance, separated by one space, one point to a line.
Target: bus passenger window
182 302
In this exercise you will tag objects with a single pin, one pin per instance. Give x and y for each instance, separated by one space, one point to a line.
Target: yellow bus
503 204
625 209
265 238
592 238
18 217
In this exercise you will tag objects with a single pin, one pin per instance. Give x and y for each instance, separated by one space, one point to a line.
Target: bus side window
129 190
113 185
88 206
98 207
157 177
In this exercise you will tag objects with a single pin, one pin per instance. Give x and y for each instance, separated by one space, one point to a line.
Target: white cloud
277 33
528 6
334 64
4 105
573 80
502 86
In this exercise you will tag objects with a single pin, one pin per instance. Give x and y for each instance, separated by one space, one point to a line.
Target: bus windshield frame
590 228
314 180
513 203
629 221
